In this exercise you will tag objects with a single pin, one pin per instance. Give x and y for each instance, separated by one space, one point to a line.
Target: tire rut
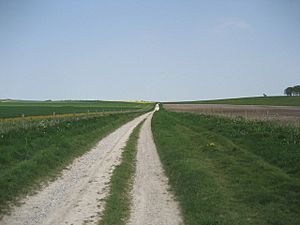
153 204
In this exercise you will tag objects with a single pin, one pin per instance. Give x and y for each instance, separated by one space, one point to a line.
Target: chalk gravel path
77 196
152 203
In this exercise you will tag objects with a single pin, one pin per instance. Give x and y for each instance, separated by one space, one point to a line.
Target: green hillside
272 100
16 108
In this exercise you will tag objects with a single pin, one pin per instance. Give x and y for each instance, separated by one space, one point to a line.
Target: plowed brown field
282 114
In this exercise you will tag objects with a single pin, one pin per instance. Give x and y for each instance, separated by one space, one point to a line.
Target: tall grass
230 171
7 124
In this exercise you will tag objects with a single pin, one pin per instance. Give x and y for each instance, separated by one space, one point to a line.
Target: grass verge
117 206
228 171
30 156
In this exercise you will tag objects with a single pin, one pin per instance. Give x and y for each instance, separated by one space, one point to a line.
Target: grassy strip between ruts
227 171
117 206
30 156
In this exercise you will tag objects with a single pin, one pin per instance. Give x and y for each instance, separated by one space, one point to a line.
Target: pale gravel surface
152 204
76 197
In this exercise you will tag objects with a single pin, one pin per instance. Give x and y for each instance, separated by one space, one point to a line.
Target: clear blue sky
151 50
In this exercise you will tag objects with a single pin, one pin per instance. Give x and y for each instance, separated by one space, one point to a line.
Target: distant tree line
292 91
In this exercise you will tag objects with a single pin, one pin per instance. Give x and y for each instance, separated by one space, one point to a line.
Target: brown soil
281 114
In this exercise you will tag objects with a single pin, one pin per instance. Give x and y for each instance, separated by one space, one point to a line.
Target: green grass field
29 156
271 100
14 108
230 171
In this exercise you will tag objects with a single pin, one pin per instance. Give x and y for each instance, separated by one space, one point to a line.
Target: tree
292 91
288 91
296 90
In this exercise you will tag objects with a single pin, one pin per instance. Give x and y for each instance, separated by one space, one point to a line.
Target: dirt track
77 196
152 203
282 114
